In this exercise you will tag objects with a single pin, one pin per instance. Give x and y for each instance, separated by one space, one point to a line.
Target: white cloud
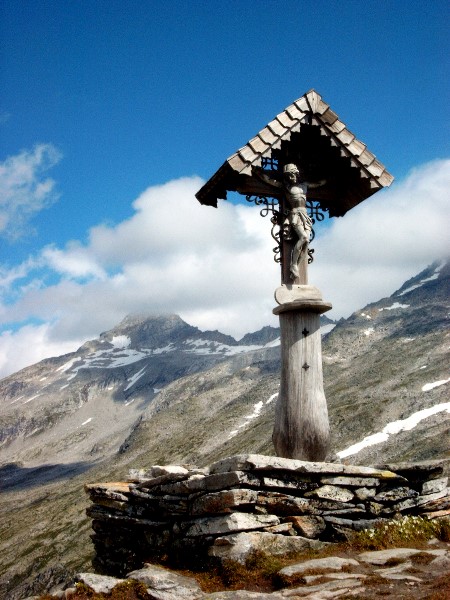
29 345
215 267
389 238
23 189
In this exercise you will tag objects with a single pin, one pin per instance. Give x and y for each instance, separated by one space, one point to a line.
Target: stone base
246 503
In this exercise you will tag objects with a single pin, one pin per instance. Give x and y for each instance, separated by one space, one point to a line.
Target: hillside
150 392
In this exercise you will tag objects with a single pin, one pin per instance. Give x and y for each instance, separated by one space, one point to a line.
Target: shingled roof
312 136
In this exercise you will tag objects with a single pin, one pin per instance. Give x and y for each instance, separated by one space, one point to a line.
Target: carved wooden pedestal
301 428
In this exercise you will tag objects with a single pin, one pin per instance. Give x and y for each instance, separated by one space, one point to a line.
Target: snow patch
394 306
169 348
272 398
429 386
16 400
275 342
367 316
422 281
395 427
30 399
257 408
64 386
68 364
134 378
121 341
86 422
369 331
327 328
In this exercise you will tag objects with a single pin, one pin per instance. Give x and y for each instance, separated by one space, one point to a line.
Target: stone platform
251 502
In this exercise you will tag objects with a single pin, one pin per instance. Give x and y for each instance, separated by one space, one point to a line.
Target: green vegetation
408 530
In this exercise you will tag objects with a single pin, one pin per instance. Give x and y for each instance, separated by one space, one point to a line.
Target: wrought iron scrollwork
270 205
279 229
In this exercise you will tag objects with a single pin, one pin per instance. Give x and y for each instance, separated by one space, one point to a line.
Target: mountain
82 405
137 397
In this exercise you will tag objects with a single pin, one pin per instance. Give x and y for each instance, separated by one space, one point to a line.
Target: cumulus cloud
24 189
376 247
215 267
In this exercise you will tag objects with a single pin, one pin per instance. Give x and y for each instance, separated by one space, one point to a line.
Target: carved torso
296 195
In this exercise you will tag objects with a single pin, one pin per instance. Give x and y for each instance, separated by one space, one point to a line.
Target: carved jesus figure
298 219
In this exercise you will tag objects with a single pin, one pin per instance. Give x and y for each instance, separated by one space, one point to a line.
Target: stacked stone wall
250 502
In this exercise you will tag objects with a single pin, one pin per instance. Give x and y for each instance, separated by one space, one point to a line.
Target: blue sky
110 108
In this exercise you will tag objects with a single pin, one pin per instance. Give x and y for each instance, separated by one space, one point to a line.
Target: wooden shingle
307 131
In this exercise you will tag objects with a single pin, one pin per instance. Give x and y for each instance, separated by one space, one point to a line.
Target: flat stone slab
261 462
434 485
331 492
329 589
240 546
229 523
223 502
163 584
242 595
381 557
330 563
346 481
415 471
101 584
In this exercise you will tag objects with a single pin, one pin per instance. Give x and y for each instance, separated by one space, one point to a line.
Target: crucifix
303 163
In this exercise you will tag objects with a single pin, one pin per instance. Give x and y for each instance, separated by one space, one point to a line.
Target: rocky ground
413 572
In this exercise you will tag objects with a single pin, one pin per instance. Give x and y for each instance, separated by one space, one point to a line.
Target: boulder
101 584
163 584
241 546
318 565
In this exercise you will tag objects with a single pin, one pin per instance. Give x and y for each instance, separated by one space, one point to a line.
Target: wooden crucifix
305 154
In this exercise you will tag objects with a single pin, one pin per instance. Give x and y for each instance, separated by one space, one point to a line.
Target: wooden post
301 428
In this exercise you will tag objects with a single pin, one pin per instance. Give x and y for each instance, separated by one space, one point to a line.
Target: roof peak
291 137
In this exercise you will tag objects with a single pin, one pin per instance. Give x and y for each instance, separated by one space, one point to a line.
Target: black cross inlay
305 331
305 366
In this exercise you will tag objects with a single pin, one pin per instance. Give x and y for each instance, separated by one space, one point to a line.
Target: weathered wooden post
303 163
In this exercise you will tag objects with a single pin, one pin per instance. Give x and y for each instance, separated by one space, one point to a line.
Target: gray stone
212 483
308 526
229 523
396 494
308 579
365 493
223 501
381 557
282 504
331 492
159 470
250 462
415 472
395 570
101 584
163 584
442 563
242 595
401 577
325 590
285 528
435 485
352 481
330 563
418 501
240 546
289 484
